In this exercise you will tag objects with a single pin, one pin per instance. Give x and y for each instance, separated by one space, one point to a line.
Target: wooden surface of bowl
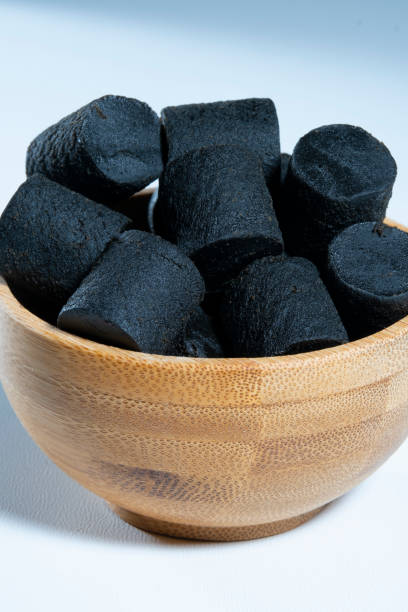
219 449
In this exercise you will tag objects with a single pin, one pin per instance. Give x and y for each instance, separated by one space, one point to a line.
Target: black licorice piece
200 338
278 307
213 299
252 123
338 175
107 150
215 205
368 277
140 295
50 237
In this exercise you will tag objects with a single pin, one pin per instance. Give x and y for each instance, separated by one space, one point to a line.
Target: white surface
60 547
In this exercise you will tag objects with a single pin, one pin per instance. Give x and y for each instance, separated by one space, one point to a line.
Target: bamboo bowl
213 449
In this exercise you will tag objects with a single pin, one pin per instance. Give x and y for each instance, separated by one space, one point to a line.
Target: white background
60 547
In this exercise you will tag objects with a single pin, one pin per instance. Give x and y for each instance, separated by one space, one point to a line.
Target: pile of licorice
243 251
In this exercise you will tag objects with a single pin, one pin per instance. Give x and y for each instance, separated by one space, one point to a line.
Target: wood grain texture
221 449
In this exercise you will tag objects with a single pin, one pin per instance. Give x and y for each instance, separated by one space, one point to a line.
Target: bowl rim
12 308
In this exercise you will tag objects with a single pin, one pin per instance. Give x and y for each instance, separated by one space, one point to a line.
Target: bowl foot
217 534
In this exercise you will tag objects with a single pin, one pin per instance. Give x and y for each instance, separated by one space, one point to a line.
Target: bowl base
217 534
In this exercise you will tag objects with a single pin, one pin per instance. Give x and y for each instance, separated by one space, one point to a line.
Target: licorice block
368 276
278 307
338 175
140 295
50 237
106 150
252 123
215 205
212 299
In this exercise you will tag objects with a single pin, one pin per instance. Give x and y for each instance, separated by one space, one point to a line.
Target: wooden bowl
214 449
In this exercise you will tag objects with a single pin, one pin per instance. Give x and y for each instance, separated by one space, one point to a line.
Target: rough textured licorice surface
278 307
50 237
139 296
252 123
368 276
207 448
212 299
107 150
199 338
338 175
215 205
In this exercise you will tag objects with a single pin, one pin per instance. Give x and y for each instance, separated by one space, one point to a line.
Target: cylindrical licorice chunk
213 299
50 237
368 276
338 175
252 123
140 295
215 205
107 150
199 338
279 307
